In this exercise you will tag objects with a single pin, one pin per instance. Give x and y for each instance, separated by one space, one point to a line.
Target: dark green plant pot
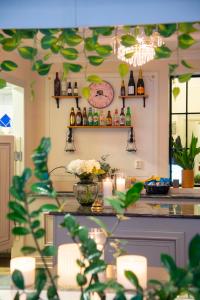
86 192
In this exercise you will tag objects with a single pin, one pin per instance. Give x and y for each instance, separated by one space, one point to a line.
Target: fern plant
185 157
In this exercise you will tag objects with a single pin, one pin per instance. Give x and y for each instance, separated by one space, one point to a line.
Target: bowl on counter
157 189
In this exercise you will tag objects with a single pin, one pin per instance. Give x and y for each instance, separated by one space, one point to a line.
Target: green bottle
128 117
95 118
90 117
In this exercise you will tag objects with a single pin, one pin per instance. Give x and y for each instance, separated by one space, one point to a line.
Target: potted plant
185 158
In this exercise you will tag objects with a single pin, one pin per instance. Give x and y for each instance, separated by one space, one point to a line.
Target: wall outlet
138 164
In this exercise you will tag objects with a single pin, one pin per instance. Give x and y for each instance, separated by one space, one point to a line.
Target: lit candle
26 265
67 265
136 264
120 184
107 187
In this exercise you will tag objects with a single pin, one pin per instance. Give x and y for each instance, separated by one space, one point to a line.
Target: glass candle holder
107 187
120 183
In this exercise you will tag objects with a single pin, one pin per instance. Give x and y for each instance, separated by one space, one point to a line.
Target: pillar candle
26 265
136 264
67 265
120 184
107 187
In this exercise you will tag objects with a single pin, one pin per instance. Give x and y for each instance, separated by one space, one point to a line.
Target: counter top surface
147 206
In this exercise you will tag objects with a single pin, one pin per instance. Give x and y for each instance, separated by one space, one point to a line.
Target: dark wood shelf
134 97
58 98
99 126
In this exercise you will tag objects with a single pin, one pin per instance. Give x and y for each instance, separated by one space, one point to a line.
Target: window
184 118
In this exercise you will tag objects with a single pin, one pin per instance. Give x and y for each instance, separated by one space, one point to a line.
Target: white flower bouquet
85 169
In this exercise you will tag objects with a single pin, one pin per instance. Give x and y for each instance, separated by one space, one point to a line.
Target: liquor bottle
128 117
69 89
140 84
123 89
109 119
63 87
101 118
90 117
116 118
95 118
131 85
122 118
85 118
75 90
57 85
72 117
79 118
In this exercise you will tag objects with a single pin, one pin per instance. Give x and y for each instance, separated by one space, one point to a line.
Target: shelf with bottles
100 126
134 97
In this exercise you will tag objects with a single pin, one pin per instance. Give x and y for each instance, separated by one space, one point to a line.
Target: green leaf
55 48
43 188
40 280
184 77
162 52
99 222
27 33
35 224
52 292
172 68
132 278
65 71
39 233
49 31
168 263
148 29
128 40
18 230
123 69
69 223
194 251
2 83
95 267
103 50
69 53
49 207
16 217
72 39
44 69
81 279
129 55
96 287
17 296
8 65
186 27
49 251
1 38
83 234
186 64
18 279
116 205
166 30
9 44
27 52
86 92
95 60
47 41
176 91
94 78
106 30
10 32
73 67
28 250
90 43
185 41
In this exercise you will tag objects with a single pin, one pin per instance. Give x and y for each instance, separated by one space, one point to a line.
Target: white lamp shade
67 265
136 264
26 265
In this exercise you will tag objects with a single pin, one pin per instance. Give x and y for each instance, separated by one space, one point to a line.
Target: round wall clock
101 94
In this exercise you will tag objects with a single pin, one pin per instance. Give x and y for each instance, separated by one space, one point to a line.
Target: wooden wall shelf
95 127
58 98
134 97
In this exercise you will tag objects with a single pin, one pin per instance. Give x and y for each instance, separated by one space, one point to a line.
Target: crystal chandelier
140 53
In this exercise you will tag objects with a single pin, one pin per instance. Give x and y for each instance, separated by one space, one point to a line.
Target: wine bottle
63 86
90 117
109 119
131 85
140 84
69 89
116 118
128 117
57 85
123 89
101 118
122 119
72 117
79 118
85 118
75 90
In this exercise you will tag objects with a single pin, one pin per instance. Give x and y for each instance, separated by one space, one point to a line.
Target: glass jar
86 192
